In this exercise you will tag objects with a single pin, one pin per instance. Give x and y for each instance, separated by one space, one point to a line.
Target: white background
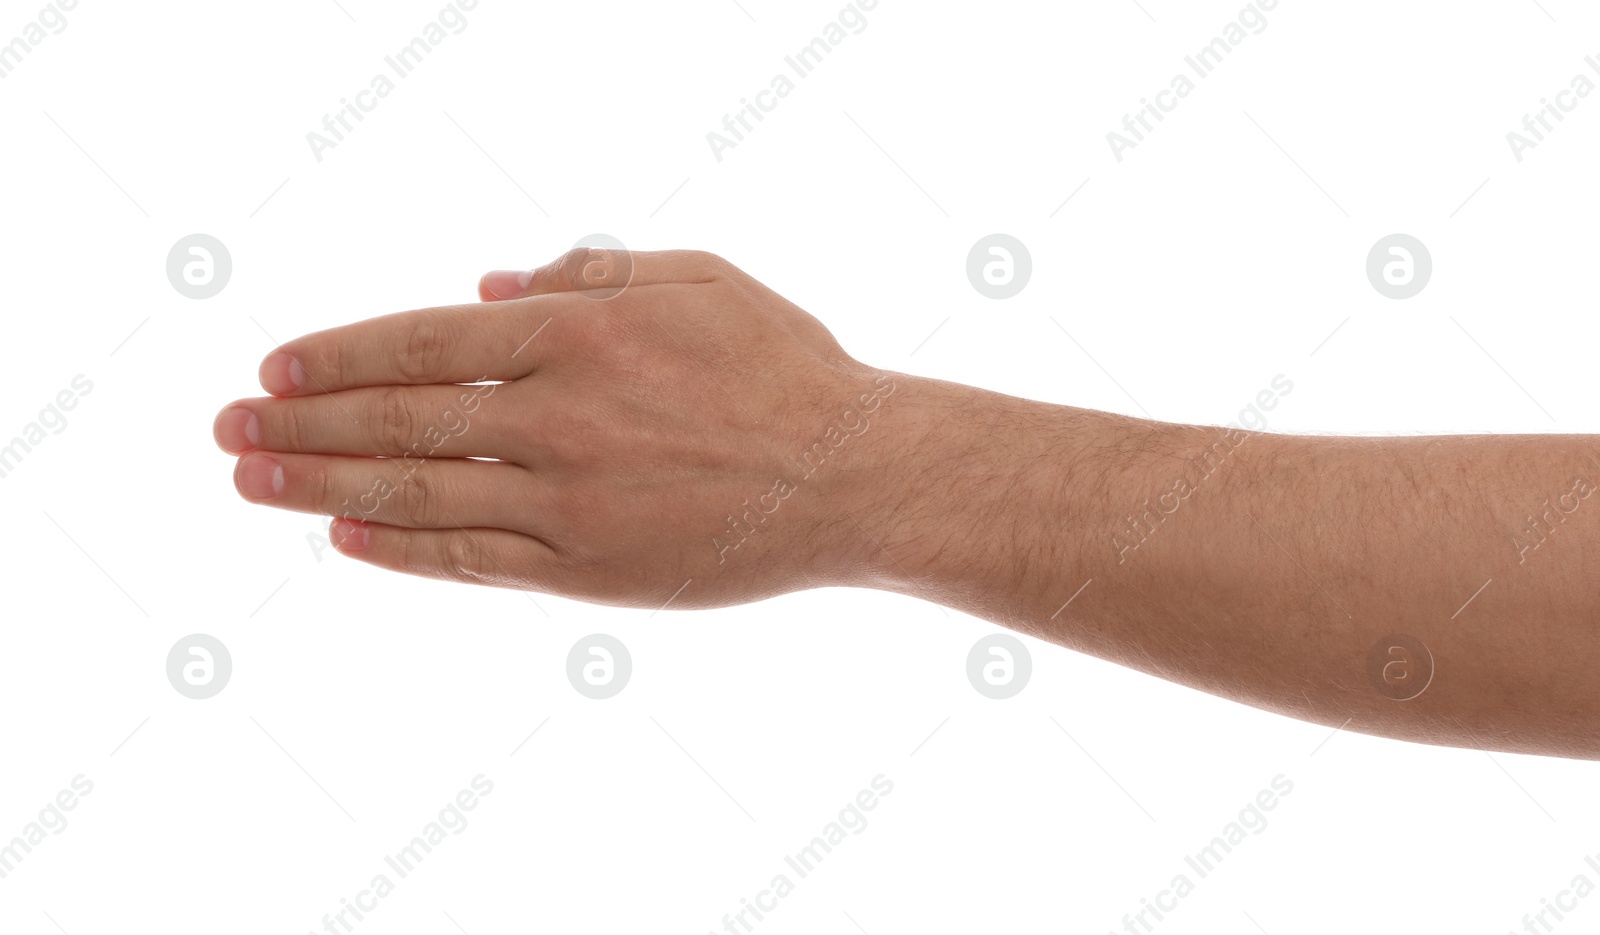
1224 250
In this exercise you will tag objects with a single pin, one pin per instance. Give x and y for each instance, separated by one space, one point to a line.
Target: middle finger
388 421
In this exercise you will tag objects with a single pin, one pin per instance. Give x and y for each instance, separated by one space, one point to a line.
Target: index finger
451 344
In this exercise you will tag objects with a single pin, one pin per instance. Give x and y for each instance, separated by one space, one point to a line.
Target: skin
695 440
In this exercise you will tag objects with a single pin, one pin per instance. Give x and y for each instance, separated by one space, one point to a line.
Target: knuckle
465 558
290 421
421 359
610 337
394 426
598 267
321 493
573 259
334 359
415 500
566 272
569 438
711 263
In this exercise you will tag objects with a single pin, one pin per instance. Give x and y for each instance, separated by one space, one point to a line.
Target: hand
659 418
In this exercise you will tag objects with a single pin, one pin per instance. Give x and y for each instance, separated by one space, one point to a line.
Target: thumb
606 270
502 284
574 271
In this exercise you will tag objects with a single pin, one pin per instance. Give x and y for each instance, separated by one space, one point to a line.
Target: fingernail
282 374
238 429
349 535
260 477
507 283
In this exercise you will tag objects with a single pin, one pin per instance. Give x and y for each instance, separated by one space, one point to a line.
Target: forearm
1266 568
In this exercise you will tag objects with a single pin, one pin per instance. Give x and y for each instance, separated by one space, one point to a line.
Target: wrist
976 498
